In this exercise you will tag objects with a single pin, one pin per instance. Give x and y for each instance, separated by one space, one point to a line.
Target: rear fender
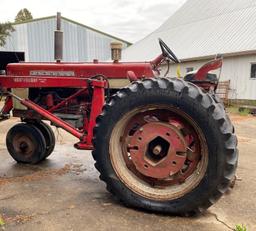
206 68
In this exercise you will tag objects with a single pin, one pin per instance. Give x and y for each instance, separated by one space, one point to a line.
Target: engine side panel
83 70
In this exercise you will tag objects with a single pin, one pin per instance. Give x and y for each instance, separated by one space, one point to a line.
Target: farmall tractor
160 144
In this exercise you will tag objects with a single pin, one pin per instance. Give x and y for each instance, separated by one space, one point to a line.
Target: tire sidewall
205 121
36 137
48 135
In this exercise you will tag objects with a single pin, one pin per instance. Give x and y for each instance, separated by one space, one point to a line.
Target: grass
240 228
235 110
245 112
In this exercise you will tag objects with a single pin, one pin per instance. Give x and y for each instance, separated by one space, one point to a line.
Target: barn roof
200 29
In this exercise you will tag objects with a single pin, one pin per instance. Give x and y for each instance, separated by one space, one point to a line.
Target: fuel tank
115 72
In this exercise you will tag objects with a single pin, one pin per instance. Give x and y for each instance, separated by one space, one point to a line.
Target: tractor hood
85 70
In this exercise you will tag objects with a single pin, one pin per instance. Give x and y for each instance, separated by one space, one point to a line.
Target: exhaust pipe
116 51
58 40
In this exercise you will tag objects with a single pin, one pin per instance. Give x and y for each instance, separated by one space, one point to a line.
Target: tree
5 31
23 15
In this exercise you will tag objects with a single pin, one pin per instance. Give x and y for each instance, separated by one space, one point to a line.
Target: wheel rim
23 145
158 152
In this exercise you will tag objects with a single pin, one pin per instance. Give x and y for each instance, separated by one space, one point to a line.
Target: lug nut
157 150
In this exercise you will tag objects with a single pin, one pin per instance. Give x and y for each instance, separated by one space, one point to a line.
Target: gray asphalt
64 193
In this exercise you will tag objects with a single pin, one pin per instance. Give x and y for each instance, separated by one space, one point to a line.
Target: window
253 71
189 69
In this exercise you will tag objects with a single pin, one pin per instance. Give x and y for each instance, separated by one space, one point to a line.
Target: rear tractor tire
164 145
26 143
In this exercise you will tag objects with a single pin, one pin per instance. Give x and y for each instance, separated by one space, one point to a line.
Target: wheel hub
23 145
158 150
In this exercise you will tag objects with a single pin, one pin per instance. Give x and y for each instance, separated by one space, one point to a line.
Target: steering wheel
167 52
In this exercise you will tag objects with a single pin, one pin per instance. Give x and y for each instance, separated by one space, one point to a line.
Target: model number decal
29 80
52 73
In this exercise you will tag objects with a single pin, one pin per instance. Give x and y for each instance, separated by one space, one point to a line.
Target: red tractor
160 144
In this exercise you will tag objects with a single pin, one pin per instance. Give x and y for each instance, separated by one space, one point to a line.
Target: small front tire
48 135
26 144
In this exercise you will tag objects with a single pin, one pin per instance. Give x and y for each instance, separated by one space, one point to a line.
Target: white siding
36 39
70 46
41 40
18 41
236 69
203 28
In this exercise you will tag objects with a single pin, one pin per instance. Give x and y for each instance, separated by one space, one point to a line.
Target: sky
130 20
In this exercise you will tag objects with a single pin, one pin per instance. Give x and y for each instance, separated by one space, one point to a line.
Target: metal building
199 30
81 43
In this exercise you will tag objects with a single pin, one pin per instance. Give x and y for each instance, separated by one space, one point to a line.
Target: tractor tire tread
215 109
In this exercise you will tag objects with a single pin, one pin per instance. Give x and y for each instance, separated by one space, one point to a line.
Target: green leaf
2 223
23 15
240 228
5 31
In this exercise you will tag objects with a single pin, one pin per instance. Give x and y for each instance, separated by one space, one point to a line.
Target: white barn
199 30
81 43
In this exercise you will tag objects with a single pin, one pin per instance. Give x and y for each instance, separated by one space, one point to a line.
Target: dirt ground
64 193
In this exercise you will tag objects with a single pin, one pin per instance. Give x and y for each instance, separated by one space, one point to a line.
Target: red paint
98 101
157 61
40 81
63 102
169 164
81 76
54 119
131 76
206 68
83 70
8 105
49 100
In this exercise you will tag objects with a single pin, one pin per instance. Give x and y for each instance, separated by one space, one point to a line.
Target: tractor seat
190 77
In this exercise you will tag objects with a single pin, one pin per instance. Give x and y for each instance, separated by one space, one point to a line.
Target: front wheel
26 143
164 145
48 134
